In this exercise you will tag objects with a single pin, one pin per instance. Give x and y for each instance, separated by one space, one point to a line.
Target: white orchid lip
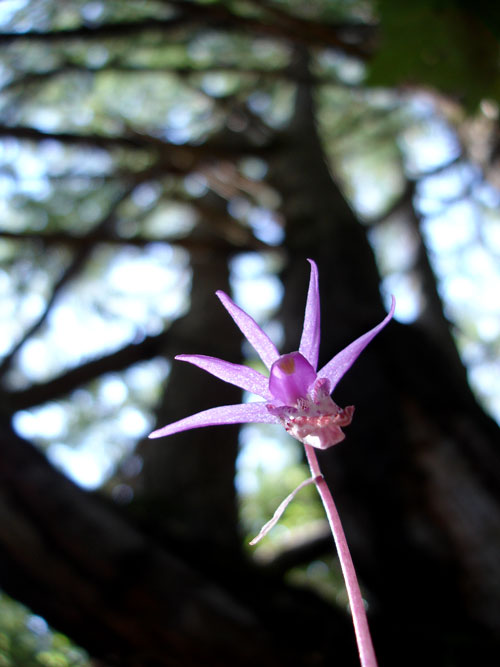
315 419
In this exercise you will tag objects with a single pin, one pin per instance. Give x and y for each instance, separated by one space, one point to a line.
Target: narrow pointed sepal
240 413
336 368
242 376
259 340
309 342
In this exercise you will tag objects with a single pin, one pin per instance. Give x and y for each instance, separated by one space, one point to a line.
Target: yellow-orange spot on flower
287 365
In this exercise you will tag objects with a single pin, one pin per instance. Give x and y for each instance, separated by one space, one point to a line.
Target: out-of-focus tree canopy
154 152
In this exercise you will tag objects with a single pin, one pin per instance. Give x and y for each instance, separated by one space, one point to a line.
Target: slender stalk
361 629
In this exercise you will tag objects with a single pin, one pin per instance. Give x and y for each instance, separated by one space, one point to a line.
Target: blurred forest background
153 152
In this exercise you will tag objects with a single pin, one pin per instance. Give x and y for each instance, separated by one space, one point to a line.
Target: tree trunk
417 479
187 481
130 600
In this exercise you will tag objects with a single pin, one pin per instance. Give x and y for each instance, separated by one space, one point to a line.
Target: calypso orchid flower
295 394
298 397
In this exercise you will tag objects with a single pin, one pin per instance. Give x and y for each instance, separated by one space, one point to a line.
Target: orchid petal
224 414
260 341
241 376
309 342
341 362
281 508
290 378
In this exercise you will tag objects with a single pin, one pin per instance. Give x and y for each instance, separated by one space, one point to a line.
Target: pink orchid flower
295 394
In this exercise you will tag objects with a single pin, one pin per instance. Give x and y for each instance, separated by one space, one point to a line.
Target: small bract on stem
298 397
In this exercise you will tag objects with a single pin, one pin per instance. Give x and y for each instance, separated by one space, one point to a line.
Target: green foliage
450 45
324 576
27 641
